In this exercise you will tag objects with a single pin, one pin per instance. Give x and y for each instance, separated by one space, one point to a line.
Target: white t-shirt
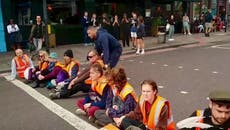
12 28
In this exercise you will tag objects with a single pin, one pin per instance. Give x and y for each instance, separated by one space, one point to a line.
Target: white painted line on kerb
69 117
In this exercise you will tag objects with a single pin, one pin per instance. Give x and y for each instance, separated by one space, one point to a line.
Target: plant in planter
156 22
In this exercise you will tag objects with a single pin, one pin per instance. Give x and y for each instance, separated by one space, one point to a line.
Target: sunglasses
40 55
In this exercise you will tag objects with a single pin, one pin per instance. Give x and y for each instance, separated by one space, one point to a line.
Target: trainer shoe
54 95
99 123
80 112
91 118
142 52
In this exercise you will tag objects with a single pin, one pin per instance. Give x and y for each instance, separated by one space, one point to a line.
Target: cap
69 53
220 95
53 55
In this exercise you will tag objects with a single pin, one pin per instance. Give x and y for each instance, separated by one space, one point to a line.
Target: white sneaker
189 34
171 39
138 52
142 52
80 112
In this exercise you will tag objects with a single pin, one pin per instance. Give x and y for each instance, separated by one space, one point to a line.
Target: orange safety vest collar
127 89
152 120
98 86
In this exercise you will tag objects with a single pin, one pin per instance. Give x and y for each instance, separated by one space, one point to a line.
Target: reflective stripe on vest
98 86
153 118
128 89
21 64
199 113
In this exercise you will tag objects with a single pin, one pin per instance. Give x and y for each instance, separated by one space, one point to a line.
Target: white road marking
183 92
196 69
131 60
160 86
128 78
4 74
165 65
215 72
180 67
220 47
141 62
69 117
153 63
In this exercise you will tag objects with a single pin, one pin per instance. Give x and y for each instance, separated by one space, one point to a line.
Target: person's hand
87 105
40 77
71 84
107 112
115 107
118 120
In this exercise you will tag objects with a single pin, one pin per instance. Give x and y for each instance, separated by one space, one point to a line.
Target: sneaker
99 123
189 34
80 112
185 33
54 95
35 85
142 52
91 118
138 52
171 39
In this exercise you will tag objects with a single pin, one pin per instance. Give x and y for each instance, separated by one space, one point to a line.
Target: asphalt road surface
184 75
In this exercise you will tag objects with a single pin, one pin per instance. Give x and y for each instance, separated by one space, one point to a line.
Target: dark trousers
65 92
125 40
126 122
114 57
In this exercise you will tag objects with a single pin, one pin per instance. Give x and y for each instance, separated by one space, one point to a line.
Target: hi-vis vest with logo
127 89
152 120
200 113
98 86
21 64
69 67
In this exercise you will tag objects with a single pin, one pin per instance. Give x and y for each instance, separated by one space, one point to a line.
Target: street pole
45 21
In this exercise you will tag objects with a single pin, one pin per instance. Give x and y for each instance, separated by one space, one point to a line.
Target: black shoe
27 81
36 85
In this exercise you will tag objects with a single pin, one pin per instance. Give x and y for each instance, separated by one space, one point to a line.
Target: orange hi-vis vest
69 67
153 118
21 64
127 89
43 65
98 86
58 63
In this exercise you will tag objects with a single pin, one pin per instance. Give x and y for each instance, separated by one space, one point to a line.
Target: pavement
151 43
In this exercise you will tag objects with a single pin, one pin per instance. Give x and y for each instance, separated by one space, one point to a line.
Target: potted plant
156 22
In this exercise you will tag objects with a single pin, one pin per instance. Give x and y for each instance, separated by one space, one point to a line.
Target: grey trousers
102 117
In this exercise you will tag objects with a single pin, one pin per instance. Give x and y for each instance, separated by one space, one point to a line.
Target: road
184 75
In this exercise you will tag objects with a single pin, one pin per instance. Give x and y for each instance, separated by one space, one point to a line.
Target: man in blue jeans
106 45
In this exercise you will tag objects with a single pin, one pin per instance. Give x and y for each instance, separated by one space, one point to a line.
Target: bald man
19 64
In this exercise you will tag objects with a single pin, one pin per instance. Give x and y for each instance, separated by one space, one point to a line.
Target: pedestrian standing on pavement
37 34
133 29
106 45
116 27
216 117
152 112
124 30
186 26
208 20
172 23
19 64
85 21
140 36
93 21
14 35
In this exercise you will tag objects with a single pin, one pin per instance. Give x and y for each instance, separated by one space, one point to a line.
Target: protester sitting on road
19 64
54 68
96 99
67 74
41 68
216 117
152 112
106 45
121 98
81 82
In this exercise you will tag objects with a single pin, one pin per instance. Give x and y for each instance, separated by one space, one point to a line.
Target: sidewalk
80 51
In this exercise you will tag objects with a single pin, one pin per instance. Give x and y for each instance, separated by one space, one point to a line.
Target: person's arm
13 70
105 46
8 29
163 119
16 27
53 74
31 63
135 114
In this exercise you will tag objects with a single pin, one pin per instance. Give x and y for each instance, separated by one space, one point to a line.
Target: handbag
167 27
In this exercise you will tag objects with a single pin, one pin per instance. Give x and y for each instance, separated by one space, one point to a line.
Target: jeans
37 43
171 31
90 111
